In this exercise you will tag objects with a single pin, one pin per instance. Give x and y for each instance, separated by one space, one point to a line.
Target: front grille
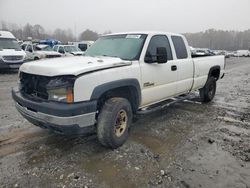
34 85
13 58
52 56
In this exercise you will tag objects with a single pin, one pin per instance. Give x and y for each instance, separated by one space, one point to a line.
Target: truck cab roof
146 33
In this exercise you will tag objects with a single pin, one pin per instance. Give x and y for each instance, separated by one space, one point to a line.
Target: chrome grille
13 58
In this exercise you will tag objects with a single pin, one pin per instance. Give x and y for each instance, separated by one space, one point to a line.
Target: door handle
173 67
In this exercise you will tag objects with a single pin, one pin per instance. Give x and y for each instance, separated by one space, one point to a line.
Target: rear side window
158 41
180 47
83 47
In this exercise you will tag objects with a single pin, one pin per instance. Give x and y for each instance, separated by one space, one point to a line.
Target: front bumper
64 118
6 65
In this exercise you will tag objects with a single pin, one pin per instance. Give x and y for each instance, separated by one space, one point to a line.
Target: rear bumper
63 118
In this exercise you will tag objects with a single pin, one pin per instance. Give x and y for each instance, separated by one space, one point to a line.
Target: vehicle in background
229 54
50 42
68 50
199 52
11 55
36 52
121 75
242 53
192 49
83 45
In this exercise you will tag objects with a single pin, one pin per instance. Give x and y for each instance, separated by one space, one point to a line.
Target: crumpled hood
71 65
77 53
41 52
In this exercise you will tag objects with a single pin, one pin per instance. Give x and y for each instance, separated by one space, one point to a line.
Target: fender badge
148 84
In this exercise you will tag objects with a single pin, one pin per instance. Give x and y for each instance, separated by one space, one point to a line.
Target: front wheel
113 122
207 93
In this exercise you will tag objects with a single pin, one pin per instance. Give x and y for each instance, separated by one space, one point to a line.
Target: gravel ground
186 145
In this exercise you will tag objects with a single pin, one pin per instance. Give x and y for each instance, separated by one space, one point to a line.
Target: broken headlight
61 89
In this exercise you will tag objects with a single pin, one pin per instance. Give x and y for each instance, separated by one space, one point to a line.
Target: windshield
70 49
125 46
9 44
47 48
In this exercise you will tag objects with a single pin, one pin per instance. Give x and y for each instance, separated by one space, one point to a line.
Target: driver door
158 80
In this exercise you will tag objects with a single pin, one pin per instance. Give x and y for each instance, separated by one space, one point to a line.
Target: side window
29 48
61 50
83 47
156 42
23 47
180 47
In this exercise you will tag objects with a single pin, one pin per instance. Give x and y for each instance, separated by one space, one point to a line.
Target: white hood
10 52
77 53
71 65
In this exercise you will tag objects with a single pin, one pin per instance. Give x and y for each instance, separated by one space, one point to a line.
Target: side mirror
161 55
148 58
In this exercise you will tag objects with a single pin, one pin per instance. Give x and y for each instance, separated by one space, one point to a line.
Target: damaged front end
58 88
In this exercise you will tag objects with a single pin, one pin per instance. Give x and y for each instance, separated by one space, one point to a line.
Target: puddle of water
158 146
110 172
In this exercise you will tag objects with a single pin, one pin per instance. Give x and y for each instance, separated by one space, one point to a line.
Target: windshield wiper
105 55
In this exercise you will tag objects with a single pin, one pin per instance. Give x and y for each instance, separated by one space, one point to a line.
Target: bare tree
27 31
4 26
88 35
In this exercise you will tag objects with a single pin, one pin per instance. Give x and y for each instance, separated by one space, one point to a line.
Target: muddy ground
186 145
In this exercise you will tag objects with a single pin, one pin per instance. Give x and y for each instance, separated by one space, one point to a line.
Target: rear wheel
113 122
207 93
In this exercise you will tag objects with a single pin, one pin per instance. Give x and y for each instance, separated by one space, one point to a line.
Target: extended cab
121 75
11 55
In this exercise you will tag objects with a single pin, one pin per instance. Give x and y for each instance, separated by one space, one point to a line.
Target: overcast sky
129 15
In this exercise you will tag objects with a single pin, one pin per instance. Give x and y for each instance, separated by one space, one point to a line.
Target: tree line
220 40
213 39
38 32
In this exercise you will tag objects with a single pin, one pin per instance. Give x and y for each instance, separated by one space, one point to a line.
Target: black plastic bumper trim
54 108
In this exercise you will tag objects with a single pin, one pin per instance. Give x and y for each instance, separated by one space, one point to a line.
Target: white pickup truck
121 75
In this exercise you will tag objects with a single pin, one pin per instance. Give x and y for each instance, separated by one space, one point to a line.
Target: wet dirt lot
186 145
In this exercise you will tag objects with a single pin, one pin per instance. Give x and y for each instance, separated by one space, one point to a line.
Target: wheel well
127 92
215 72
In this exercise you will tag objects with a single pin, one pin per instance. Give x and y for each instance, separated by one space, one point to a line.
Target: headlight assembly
61 89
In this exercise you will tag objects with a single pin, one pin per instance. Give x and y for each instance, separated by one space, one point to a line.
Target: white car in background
36 52
46 51
11 55
83 45
242 53
68 50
